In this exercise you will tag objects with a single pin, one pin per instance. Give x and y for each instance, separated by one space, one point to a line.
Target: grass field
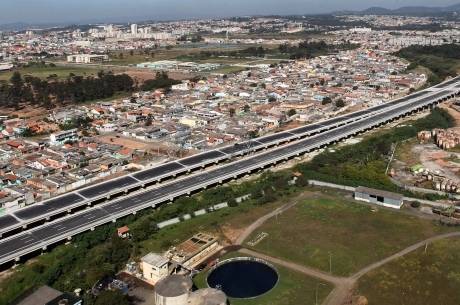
223 223
293 288
350 235
229 70
45 72
430 278
171 54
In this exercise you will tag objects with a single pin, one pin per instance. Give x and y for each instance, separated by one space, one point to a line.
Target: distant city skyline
71 11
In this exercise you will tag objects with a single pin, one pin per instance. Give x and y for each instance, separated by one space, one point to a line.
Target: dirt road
343 285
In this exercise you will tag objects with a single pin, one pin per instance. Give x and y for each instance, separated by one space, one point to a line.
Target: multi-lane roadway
23 243
51 209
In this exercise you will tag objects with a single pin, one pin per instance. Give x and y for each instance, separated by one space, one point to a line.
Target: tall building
134 29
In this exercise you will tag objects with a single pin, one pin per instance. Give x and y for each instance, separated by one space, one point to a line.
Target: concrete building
134 29
64 136
155 267
173 290
383 198
185 256
6 66
87 58
49 296
194 250
207 296
177 290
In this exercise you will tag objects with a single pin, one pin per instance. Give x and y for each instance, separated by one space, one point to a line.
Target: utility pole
316 292
330 262
391 158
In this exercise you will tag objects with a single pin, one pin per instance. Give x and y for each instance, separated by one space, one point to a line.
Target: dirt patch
27 112
231 233
453 110
141 75
134 144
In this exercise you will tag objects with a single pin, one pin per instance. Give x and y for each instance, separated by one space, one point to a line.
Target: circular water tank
208 296
173 290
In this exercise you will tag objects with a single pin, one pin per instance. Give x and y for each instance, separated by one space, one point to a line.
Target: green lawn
349 234
293 288
431 278
236 218
229 70
177 52
44 72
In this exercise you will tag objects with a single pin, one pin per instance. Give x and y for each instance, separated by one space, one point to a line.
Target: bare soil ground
133 143
451 109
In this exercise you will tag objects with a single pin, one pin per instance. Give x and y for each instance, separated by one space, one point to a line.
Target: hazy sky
43 11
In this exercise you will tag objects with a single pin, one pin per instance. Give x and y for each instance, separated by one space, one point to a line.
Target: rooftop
154 259
207 296
41 296
366 190
173 286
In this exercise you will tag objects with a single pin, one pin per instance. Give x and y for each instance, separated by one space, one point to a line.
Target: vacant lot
227 224
330 232
177 52
59 72
292 289
429 278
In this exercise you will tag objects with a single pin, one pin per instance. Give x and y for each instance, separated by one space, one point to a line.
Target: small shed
383 198
123 232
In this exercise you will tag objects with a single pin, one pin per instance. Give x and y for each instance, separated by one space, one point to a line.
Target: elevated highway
39 238
60 206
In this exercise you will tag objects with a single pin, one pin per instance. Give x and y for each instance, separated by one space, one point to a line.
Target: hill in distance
413 10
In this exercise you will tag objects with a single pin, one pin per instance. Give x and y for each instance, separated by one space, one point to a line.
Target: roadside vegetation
100 253
364 164
443 61
426 276
94 255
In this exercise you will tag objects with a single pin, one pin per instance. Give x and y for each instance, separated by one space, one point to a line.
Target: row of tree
308 49
247 52
74 89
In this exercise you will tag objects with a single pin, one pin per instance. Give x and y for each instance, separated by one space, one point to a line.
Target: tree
340 103
232 203
246 108
27 132
111 297
326 100
291 112
232 112
16 79
253 134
